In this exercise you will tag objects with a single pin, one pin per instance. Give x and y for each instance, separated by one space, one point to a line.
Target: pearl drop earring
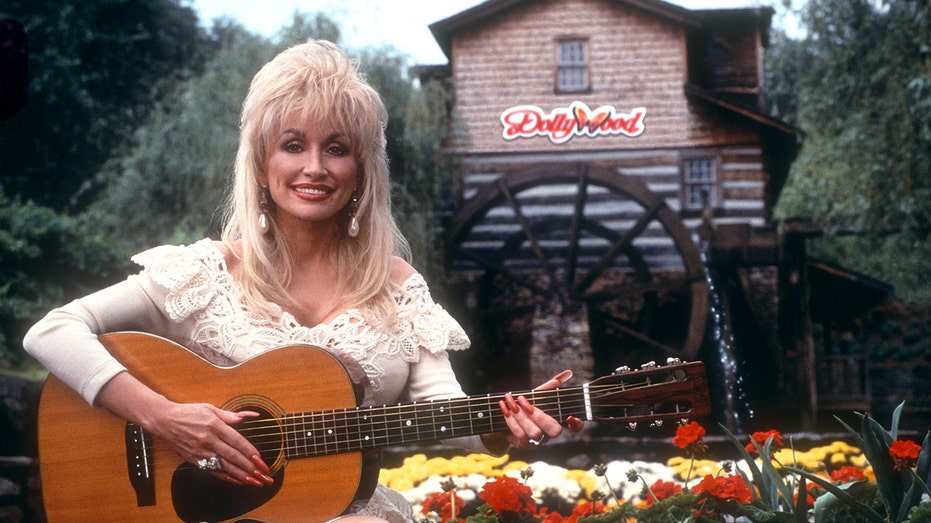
263 211
353 221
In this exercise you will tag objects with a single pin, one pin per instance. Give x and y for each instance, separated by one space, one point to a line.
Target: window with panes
572 66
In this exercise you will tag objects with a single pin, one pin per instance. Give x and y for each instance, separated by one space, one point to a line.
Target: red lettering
562 124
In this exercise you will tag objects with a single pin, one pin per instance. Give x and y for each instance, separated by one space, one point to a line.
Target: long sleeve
65 340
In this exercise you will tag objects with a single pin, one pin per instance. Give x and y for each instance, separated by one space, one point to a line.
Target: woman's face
312 173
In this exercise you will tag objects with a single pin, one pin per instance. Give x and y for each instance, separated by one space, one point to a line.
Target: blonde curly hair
318 80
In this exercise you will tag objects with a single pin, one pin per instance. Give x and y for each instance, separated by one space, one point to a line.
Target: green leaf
843 496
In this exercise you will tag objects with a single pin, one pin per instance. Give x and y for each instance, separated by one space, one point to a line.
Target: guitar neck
362 428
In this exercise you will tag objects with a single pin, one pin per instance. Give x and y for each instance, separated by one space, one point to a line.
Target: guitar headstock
652 393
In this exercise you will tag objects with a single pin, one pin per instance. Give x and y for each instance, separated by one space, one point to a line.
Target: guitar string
430 408
393 422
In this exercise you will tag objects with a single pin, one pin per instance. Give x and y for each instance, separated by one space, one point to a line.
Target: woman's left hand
528 425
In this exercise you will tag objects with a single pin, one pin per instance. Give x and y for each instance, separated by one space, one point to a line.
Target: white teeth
307 190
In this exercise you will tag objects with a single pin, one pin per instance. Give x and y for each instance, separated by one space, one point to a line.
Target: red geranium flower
586 508
730 487
508 494
905 453
662 490
551 517
690 436
441 503
761 437
847 474
813 491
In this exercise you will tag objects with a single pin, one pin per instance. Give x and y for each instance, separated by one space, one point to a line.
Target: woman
310 253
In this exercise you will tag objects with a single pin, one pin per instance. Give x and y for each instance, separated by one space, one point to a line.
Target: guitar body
86 454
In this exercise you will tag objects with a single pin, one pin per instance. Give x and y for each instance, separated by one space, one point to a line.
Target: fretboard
361 428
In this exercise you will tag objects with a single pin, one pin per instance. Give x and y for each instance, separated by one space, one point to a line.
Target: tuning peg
655 424
648 365
673 361
632 426
623 369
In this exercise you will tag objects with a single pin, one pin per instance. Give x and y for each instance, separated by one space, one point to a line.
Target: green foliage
900 489
425 188
95 69
859 85
177 166
45 258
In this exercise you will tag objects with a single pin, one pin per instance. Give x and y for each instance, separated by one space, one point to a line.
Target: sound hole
199 496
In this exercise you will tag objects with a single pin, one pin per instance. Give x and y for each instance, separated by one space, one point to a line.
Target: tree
862 94
95 68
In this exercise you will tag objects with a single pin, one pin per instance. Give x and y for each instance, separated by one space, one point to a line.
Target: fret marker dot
408 423
481 414
366 438
329 431
443 429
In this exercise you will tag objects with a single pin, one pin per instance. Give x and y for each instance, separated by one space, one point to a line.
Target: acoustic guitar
317 431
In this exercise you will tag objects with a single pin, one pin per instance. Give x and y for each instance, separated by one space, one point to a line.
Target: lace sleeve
432 328
192 275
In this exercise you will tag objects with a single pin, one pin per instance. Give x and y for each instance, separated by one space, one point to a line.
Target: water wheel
578 235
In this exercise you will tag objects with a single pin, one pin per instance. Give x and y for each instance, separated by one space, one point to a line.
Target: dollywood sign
564 123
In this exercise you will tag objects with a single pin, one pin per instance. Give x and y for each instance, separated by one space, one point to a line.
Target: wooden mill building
611 154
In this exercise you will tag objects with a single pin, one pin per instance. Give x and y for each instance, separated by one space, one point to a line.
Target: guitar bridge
139 462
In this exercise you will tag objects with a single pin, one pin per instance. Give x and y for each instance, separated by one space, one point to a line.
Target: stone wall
20 491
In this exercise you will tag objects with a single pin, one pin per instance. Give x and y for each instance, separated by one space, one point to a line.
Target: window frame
688 183
584 66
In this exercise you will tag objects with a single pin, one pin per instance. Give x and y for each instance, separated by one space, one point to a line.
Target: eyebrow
301 134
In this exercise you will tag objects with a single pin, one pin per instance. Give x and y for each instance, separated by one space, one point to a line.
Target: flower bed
880 480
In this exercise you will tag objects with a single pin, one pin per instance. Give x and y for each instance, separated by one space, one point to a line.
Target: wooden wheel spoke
607 259
497 268
525 225
639 336
575 228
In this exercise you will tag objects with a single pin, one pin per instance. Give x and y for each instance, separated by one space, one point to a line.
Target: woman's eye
337 149
292 147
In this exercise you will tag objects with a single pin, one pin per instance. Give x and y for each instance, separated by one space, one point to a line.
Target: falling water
722 344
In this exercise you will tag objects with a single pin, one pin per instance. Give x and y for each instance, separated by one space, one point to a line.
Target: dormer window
572 66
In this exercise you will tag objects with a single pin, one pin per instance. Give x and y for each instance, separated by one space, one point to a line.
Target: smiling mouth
312 190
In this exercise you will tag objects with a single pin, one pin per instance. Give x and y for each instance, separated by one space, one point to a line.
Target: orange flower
761 437
663 489
904 453
690 436
847 474
730 487
586 508
441 503
508 494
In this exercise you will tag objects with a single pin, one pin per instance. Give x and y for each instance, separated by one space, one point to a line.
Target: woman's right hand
195 431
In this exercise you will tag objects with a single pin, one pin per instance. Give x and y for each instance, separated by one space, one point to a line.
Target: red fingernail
231 479
574 424
504 409
528 408
511 403
261 464
265 477
254 482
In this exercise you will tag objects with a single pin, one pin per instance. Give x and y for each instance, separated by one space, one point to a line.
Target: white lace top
185 293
